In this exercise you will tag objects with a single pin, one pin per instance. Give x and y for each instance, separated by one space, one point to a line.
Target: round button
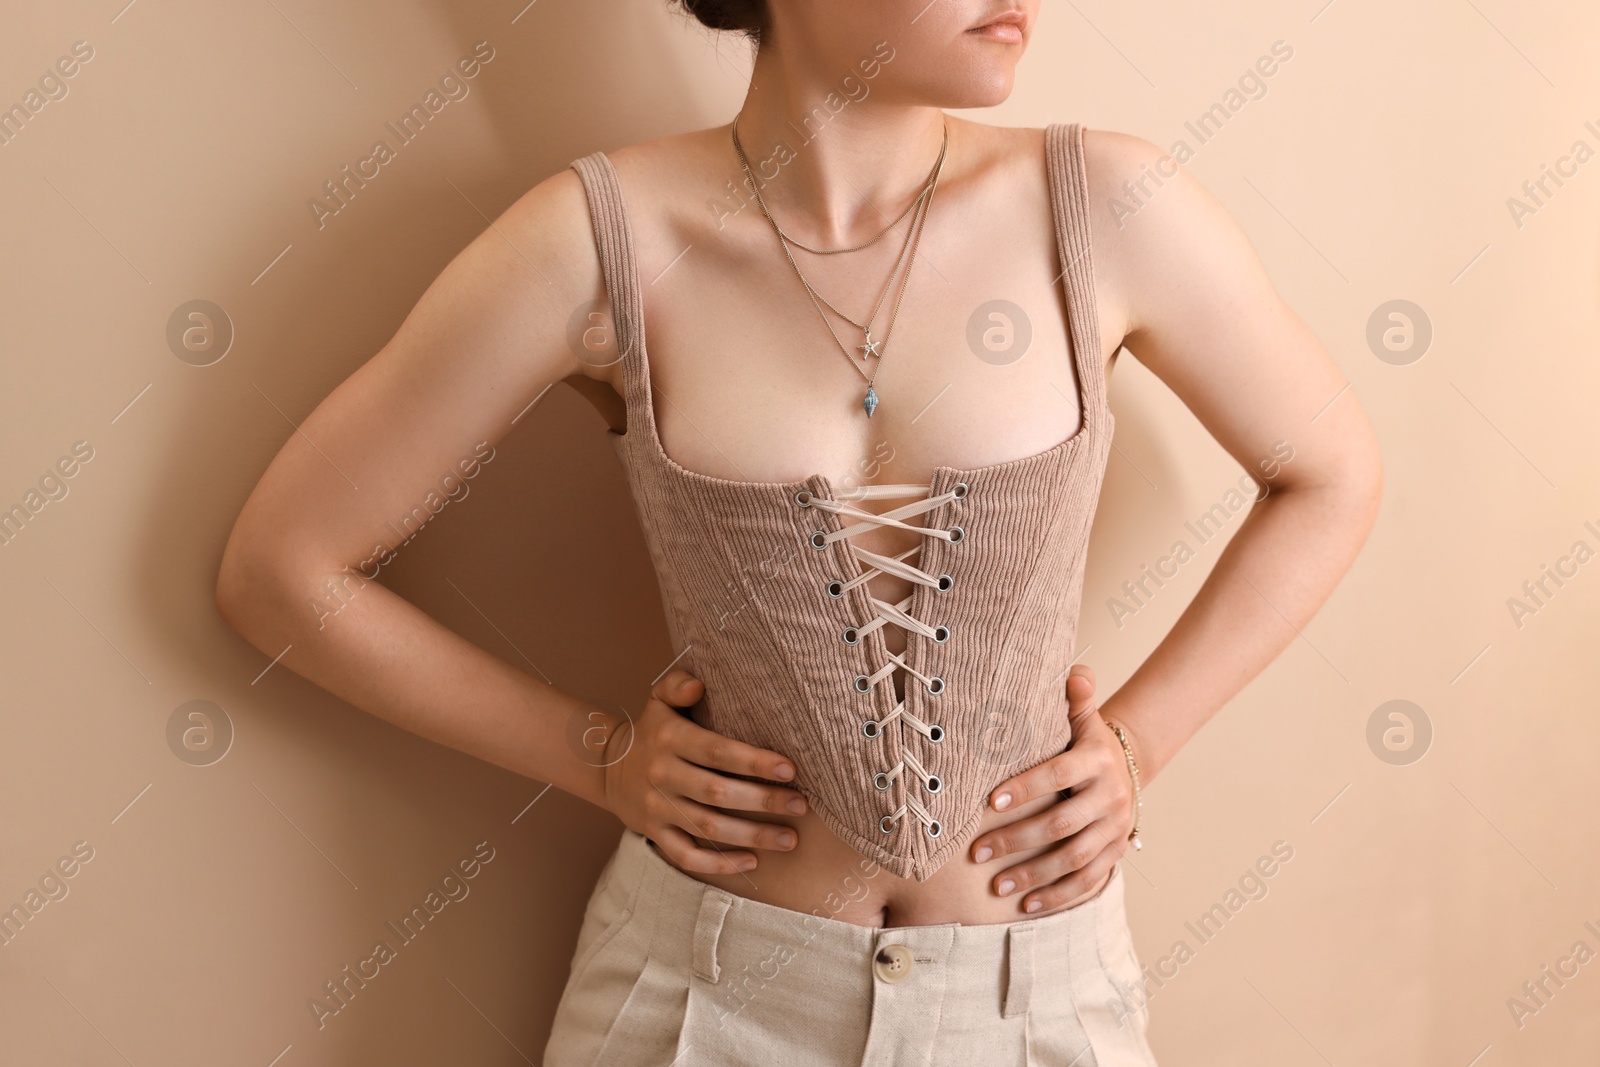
892 963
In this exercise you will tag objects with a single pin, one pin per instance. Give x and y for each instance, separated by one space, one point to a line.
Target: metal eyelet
870 728
941 634
836 589
803 498
863 683
850 636
880 780
933 784
959 490
886 824
935 685
957 535
935 733
935 829
819 539
945 582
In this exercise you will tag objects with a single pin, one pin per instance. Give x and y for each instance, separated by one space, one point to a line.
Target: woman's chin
983 88
989 97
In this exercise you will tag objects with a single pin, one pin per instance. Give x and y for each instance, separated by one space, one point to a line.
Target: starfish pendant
870 401
871 347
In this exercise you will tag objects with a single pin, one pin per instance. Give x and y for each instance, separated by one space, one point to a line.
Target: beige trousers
669 970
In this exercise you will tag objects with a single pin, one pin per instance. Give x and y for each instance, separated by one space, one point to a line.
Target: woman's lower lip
1008 32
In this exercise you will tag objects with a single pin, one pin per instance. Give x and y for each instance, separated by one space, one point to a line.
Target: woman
885 826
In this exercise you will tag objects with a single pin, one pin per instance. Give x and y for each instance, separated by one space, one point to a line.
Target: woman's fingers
1048 827
678 688
1076 883
687 773
682 852
708 748
1072 767
719 828
1080 686
695 743
1069 855
720 791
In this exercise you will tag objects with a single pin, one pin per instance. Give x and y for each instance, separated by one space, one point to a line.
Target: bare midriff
822 875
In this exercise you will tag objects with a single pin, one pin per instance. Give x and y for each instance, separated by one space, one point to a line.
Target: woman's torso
748 384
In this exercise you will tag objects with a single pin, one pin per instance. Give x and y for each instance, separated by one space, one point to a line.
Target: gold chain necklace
924 200
870 348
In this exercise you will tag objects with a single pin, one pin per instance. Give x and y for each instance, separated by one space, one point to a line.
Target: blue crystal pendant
870 401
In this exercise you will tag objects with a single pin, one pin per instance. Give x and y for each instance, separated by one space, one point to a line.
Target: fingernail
982 854
798 806
786 840
784 770
1002 802
1007 886
1033 905
745 864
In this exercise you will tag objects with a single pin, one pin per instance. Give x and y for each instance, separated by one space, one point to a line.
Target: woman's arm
482 341
488 335
1201 313
1181 284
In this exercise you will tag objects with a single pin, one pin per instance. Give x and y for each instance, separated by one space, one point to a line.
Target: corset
766 593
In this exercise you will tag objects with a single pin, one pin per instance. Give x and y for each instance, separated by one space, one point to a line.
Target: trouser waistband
997 962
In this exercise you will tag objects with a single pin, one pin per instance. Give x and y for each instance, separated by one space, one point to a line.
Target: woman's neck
834 160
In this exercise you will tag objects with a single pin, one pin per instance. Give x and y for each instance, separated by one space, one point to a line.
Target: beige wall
217 899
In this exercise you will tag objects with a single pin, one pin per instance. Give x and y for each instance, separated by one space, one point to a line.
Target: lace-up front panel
767 595
922 780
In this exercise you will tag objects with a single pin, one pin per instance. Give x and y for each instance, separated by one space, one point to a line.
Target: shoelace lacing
886 613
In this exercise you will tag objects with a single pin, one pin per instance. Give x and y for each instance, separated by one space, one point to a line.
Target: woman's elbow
249 585
1344 489
1356 491
1365 479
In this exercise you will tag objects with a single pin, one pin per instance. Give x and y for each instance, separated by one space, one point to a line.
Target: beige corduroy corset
767 600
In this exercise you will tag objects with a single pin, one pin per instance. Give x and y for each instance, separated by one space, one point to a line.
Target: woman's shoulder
557 207
671 156
1142 198
554 217
1156 228
1124 175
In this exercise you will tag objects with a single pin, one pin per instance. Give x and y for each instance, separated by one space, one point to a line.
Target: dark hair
748 17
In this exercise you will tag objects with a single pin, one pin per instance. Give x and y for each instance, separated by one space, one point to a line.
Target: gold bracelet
1133 769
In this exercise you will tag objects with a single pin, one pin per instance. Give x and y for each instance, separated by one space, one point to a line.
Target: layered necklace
869 347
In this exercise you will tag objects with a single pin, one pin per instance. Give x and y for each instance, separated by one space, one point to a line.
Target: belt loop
714 904
1019 968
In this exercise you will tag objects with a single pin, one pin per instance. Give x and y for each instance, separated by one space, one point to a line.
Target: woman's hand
665 784
1091 825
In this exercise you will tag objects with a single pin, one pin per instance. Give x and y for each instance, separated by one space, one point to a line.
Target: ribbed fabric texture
746 595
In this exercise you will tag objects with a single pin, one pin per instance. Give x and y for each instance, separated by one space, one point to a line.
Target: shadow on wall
540 562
